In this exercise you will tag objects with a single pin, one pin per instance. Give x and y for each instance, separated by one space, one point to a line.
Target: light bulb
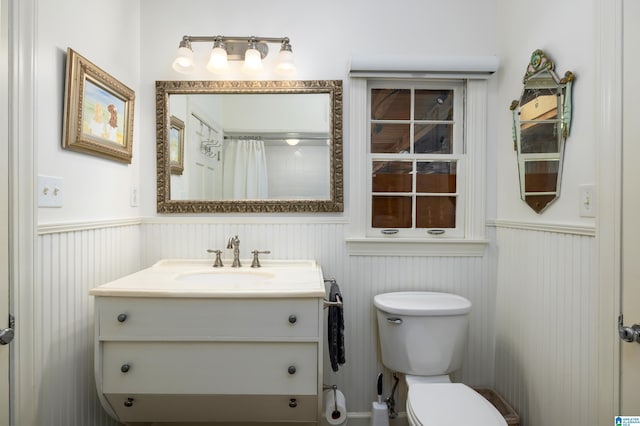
218 61
292 142
285 65
252 61
184 59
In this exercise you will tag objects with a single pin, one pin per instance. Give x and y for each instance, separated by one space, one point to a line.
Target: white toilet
423 335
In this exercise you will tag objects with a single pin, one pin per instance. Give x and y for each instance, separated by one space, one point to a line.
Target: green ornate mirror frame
541 125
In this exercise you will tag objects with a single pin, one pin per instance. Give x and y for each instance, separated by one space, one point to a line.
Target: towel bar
328 303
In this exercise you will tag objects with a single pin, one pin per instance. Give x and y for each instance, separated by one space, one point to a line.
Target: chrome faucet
234 243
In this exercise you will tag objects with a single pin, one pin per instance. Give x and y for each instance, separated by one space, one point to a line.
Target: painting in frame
176 145
98 111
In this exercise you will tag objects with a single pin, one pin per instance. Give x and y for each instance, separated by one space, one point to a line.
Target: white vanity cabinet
184 357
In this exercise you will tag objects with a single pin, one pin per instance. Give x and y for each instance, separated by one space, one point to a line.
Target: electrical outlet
50 191
134 197
587 200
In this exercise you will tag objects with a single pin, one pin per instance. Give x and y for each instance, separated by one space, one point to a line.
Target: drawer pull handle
292 319
125 368
129 402
293 403
122 317
292 369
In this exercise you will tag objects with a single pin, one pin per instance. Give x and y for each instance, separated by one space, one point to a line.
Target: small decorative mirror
541 124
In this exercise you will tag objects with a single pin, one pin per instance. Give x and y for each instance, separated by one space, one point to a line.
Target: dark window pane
436 176
433 138
539 137
391 212
433 105
436 212
390 104
389 138
391 176
540 176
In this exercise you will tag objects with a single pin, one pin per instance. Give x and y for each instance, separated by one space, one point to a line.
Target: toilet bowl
439 404
423 335
435 401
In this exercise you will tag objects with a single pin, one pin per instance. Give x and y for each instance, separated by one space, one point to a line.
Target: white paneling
360 278
70 264
546 348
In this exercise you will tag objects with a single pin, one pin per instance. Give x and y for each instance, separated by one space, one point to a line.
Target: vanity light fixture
252 50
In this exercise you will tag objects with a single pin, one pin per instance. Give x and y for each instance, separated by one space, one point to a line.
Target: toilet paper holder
335 398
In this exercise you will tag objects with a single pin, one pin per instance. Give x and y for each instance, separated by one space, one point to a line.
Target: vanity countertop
198 278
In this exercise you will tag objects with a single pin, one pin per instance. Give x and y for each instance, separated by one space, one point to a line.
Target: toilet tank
422 333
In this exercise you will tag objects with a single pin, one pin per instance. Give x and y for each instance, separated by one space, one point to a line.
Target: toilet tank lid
424 303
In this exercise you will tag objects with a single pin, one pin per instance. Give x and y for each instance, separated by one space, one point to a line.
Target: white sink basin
226 278
198 278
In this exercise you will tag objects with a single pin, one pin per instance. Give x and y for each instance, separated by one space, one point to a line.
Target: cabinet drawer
201 319
223 408
210 368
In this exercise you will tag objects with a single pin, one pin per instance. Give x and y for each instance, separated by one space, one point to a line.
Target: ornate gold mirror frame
541 125
167 204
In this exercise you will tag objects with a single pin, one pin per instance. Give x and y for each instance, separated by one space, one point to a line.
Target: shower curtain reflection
244 169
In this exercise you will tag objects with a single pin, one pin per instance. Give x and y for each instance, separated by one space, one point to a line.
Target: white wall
547 298
324 36
107 35
571 47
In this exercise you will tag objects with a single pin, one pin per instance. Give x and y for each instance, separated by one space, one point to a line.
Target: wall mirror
249 146
541 125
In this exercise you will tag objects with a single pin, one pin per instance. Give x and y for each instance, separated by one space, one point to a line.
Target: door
4 209
630 304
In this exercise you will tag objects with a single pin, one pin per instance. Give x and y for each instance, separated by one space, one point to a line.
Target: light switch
587 195
134 197
50 191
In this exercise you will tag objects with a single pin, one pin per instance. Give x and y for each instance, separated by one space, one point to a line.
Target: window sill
415 247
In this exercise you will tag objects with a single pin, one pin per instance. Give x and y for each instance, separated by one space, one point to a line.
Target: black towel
336 328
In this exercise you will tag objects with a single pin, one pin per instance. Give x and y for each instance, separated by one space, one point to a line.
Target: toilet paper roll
331 402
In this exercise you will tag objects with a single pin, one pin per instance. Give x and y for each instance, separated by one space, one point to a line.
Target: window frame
473 241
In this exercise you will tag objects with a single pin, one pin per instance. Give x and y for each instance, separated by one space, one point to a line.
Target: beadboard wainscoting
546 348
529 335
70 261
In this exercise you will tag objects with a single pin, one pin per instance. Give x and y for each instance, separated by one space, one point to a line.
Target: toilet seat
438 404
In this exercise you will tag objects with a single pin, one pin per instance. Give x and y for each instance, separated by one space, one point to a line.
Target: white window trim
474 242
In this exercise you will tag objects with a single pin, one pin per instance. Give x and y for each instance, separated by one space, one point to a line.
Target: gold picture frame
176 145
98 111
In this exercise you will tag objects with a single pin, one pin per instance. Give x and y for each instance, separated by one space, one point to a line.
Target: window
416 156
417 150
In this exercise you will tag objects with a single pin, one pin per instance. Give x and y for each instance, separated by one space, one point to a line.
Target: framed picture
98 111
176 145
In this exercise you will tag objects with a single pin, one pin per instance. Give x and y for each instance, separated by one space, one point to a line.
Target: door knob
7 334
628 334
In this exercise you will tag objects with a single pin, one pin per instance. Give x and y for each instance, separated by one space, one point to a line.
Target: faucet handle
256 262
218 262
